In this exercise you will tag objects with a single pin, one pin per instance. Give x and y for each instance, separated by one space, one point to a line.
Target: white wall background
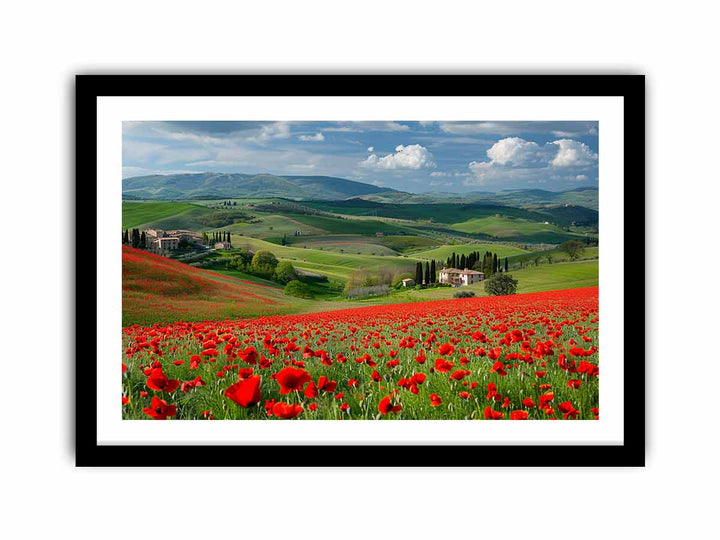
44 44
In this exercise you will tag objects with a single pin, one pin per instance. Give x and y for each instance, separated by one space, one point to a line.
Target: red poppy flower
245 392
519 415
249 355
189 385
286 410
326 385
159 409
244 373
443 366
290 379
158 381
125 400
459 374
465 395
499 368
435 400
568 410
386 406
527 402
574 383
492 415
195 361
376 376
311 390
545 399
446 349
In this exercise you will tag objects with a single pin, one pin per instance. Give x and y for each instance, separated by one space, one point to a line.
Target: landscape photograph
384 270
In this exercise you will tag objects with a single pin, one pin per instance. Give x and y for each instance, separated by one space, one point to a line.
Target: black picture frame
89 87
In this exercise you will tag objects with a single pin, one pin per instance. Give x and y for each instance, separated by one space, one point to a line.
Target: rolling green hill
519 230
140 213
219 185
334 265
547 277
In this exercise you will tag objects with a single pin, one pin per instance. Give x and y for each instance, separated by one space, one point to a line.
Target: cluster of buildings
160 241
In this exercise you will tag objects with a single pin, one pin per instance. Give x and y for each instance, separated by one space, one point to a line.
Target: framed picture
360 270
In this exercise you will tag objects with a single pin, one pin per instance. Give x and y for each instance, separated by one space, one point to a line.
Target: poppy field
521 357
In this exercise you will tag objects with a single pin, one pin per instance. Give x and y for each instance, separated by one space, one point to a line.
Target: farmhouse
188 236
154 234
408 282
460 278
223 245
167 243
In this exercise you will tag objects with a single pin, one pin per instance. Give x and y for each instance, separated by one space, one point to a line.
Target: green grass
273 226
135 214
189 219
518 229
351 244
347 226
558 255
443 252
408 243
334 265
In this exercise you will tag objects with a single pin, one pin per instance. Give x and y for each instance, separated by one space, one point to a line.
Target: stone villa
460 278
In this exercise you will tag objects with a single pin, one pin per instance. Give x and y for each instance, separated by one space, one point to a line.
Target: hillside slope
219 185
156 289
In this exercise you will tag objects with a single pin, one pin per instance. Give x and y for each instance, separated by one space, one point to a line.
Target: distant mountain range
220 186
327 188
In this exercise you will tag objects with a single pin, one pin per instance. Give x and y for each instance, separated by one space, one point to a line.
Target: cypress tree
506 264
427 273
432 271
495 263
135 238
463 261
418 273
143 240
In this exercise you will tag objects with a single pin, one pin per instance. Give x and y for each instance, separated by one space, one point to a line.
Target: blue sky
417 157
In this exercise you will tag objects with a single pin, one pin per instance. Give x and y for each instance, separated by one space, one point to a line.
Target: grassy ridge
136 214
515 229
443 252
334 265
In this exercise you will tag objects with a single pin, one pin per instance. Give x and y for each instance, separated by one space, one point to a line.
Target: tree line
488 263
217 236
136 239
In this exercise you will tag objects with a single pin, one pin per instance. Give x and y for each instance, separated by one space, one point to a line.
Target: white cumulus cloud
573 154
318 137
412 156
515 151
371 148
514 159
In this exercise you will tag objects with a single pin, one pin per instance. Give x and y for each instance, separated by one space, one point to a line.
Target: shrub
501 284
464 294
285 272
573 248
298 289
264 258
